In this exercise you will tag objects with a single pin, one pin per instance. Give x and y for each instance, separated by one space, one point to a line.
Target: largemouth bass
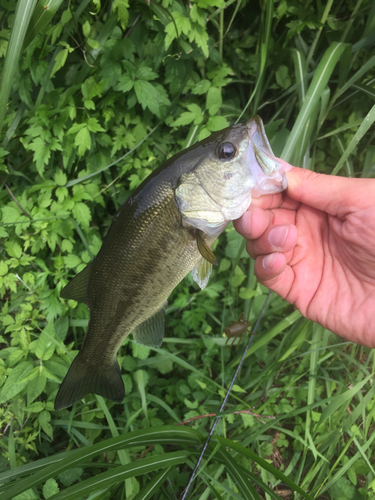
163 231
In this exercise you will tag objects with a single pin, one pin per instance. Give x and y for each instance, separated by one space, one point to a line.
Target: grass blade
318 84
161 435
114 476
41 18
153 486
366 124
22 18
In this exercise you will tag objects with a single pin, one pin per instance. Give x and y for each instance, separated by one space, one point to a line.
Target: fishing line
226 398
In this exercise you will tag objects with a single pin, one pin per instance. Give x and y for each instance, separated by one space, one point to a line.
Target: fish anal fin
83 378
203 248
76 289
151 332
202 272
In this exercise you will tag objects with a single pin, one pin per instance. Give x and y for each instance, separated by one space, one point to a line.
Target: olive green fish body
162 232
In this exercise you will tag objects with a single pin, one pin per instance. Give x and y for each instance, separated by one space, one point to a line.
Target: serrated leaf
45 345
150 97
26 495
60 59
199 35
121 6
145 73
83 141
12 386
13 249
82 214
201 87
60 178
36 388
36 407
72 261
93 125
44 419
140 351
216 123
50 488
214 100
125 83
3 268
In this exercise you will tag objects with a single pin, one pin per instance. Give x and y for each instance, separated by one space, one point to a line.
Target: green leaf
121 6
13 249
82 214
36 388
72 261
3 268
36 407
213 100
150 96
125 83
145 73
61 58
26 495
44 421
45 345
140 351
201 87
282 77
50 488
12 386
200 36
195 115
60 178
83 141
216 123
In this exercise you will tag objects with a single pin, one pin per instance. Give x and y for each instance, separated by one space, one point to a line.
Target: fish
163 231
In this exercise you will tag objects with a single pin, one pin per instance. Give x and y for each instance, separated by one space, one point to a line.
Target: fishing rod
192 477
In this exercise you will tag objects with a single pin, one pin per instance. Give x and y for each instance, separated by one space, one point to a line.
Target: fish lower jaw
270 185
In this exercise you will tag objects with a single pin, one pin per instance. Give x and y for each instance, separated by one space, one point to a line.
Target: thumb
332 194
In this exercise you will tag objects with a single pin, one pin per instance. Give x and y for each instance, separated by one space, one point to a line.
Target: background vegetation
96 94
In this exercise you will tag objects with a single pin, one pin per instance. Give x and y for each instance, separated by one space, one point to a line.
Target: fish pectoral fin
76 289
84 378
202 272
151 332
204 249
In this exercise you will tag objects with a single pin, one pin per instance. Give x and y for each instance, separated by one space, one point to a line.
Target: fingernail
277 236
269 260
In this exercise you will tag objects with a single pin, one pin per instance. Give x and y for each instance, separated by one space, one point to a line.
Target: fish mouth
264 166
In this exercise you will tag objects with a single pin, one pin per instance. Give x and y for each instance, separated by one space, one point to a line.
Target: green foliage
99 96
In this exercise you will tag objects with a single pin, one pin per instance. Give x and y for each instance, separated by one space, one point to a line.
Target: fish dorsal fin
151 332
201 272
76 289
204 249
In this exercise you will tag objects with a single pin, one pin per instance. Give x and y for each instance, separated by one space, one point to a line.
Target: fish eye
226 151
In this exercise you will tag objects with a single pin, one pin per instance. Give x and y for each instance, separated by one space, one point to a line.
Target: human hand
314 245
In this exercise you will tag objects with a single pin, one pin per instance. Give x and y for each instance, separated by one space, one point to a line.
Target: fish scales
157 253
163 231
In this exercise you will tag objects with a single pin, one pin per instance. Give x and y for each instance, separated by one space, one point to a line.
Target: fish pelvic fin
77 288
202 272
84 378
204 249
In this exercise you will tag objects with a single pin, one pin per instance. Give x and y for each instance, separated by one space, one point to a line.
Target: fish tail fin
83 378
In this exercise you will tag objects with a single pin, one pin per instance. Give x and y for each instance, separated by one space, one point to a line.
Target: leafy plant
94 96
